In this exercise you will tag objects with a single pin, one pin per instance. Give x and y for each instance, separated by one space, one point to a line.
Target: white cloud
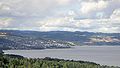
33 7
96 25
92 6
115 14
5 22
63 2
98 8
64 15
108 30
4 7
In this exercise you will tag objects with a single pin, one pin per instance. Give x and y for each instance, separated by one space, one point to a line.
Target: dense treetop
15 61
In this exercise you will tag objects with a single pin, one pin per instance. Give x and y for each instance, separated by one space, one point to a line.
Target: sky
61 15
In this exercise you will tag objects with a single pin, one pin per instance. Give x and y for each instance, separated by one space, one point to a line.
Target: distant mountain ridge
15 39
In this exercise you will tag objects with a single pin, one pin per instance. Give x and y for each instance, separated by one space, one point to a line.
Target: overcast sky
61 15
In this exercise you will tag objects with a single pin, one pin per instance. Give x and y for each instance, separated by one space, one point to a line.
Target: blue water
104 55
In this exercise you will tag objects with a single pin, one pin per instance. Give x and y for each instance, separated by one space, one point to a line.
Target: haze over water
105 55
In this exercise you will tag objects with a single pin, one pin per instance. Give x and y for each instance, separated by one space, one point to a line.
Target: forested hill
15 61
15 39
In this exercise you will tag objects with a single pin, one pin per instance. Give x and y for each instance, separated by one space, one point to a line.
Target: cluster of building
16 42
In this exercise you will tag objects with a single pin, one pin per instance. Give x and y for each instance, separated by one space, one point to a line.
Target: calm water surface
105 55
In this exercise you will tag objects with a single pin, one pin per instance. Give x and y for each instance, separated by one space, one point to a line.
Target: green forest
16 61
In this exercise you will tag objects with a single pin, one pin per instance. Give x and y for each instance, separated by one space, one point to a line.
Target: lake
104 55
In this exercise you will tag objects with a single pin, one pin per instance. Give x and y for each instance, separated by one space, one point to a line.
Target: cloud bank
62 15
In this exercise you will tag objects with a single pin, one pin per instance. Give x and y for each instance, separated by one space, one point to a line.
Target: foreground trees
12 61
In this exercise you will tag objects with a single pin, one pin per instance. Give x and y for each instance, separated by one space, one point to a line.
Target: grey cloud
47 15
105 12
34 7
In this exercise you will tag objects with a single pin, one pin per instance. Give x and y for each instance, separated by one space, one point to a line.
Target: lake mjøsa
104 55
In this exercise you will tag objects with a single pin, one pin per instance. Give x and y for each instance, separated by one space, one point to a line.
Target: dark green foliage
6 61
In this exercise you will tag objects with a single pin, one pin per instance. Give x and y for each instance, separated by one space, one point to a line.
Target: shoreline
105 55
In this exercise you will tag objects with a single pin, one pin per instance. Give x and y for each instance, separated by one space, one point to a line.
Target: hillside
11 40
14 39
